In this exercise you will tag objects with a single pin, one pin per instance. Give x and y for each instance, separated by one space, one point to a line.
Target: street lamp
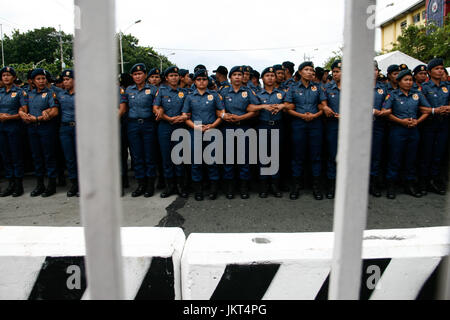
160 59
3 55
120 42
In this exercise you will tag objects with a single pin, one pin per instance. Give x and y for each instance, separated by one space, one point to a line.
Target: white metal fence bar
354 148
98 149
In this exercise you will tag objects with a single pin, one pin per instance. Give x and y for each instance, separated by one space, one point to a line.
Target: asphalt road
225 216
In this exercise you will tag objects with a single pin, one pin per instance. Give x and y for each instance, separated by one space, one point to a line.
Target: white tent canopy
396 57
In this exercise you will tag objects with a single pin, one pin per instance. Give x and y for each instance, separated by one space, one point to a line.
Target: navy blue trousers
433 146
403 144
332 132
67 134
378 133
265 126
229 169
43 140
197 169
11 149
166 144
304 134
142 141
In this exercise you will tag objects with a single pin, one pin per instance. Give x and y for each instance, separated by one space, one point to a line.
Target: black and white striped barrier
397 264
40 263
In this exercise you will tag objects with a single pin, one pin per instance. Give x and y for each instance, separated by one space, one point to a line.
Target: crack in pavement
173 218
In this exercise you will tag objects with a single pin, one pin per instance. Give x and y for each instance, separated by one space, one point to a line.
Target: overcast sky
285 29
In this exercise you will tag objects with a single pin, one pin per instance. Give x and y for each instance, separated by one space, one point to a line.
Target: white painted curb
25 252
398 262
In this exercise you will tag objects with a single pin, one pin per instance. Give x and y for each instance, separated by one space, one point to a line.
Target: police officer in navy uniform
330 108
203 108
280 76
142 130
254 78
67 131
222 77
288 68
435 129
378 133
237 98
246 78
270 110
154 77
392 72
420 76
185 81
168 104
12 101
303 101
405 104
42 132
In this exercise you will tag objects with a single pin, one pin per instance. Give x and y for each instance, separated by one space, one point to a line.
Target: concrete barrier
40 263
397 264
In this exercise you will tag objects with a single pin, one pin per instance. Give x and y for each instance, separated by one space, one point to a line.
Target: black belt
68 124
141 120
240 123
271 123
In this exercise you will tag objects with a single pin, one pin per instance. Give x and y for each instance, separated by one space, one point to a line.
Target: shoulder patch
220 97
444 89
181 95
122 91
54 95
253 92
157 93
380 91
387 97
24 93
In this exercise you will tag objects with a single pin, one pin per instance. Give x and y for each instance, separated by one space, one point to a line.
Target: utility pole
63 65
3 54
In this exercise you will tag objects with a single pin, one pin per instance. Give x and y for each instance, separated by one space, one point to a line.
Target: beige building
392 28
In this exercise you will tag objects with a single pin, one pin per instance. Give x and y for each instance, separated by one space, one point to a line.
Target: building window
416 18
403 25
424 15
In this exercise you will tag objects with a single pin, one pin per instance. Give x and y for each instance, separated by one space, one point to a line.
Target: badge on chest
14 94
244 95
44 95
148 92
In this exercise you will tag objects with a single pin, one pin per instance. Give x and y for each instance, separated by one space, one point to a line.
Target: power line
253 49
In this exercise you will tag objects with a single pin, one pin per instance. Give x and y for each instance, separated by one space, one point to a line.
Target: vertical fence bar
354 148
97 145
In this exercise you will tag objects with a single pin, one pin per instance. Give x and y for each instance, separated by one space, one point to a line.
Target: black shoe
276 189
9 190
264 191
18 188
170 188
198 191
437 186
125 182
73 191
229 189
51 188
213 190
40 188
243 189
374 188
181 187
411 189
142 185
150 188
62 180
390 192
331 188
422 186
295 189
317 192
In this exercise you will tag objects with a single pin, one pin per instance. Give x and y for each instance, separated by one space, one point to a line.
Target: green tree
133 53
426 42
337 55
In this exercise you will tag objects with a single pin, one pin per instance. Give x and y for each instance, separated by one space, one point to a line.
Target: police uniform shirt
203 107
389 87
56 89
417 87
237 102
379 96
276 97
405 107
332 93
171 100
140 102
306 99
437 95
223 85
40 101
67 106
287 84
13 100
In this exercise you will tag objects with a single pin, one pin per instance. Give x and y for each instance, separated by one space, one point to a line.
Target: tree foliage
41 48
337 55
426 42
